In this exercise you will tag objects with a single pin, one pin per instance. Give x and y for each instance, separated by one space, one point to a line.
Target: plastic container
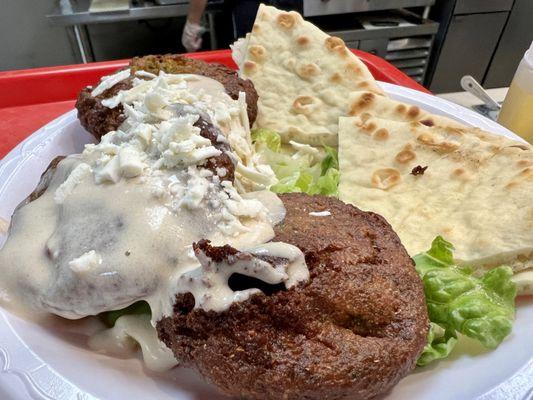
517 109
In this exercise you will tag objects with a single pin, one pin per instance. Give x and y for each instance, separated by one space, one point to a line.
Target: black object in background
137 38
467 38
482 38
515 40
467 50
242 14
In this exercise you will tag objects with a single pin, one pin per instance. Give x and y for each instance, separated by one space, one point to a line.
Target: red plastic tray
31 98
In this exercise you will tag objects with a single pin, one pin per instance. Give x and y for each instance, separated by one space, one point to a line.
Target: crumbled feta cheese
306 149
85 263
144 133
221 172
197 187
75 177
154 101
222 113
110 172
130 162
166 97
199 155
108 82
145 74
160 133
204 173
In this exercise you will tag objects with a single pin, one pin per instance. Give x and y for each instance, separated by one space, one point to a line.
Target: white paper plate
50 361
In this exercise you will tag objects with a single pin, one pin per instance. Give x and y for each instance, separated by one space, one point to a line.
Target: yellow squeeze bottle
517 110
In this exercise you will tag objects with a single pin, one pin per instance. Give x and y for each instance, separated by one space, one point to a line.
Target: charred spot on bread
419 170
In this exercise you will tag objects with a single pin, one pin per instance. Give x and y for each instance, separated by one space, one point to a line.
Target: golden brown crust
95 117
351 332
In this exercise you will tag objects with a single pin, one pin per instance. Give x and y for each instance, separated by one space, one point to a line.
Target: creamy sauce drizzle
209 283
128 334
116 223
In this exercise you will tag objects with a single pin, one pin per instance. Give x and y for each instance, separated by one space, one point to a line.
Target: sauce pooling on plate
116 224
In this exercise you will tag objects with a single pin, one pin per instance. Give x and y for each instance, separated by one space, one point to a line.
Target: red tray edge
60 83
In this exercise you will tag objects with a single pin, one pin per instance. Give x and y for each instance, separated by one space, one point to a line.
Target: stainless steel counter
76 12
75 15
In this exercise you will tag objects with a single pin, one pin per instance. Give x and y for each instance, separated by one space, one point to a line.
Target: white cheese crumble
107 82
145 74
85 263
130 162
109 170
166 96
302 148
75 177
159 135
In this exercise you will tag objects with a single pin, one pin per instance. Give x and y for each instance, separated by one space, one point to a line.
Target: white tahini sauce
209 283
117 223
129 333
320 213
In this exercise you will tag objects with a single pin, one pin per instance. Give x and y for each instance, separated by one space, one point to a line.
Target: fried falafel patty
352 331
99 119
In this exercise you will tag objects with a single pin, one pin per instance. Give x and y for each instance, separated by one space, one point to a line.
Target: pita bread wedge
367 103
429 181
303 76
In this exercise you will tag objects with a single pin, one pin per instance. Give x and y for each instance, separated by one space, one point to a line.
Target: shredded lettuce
458 302
326 184
267 136
331 161
298 171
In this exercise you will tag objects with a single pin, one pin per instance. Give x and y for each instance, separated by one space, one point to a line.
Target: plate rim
11 343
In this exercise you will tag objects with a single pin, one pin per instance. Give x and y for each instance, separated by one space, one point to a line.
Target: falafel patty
352 331
99 120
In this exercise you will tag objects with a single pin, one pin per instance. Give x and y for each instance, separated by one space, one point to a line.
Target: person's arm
196 9
192 31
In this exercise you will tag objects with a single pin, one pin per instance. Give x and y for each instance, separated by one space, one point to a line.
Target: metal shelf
76 12
329 7
401 37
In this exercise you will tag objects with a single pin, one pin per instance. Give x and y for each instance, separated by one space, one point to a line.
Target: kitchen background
436 42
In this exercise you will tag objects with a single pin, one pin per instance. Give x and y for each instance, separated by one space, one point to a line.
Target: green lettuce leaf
297 171
440 344
331 161
268 137
326 184
481 308
298 182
